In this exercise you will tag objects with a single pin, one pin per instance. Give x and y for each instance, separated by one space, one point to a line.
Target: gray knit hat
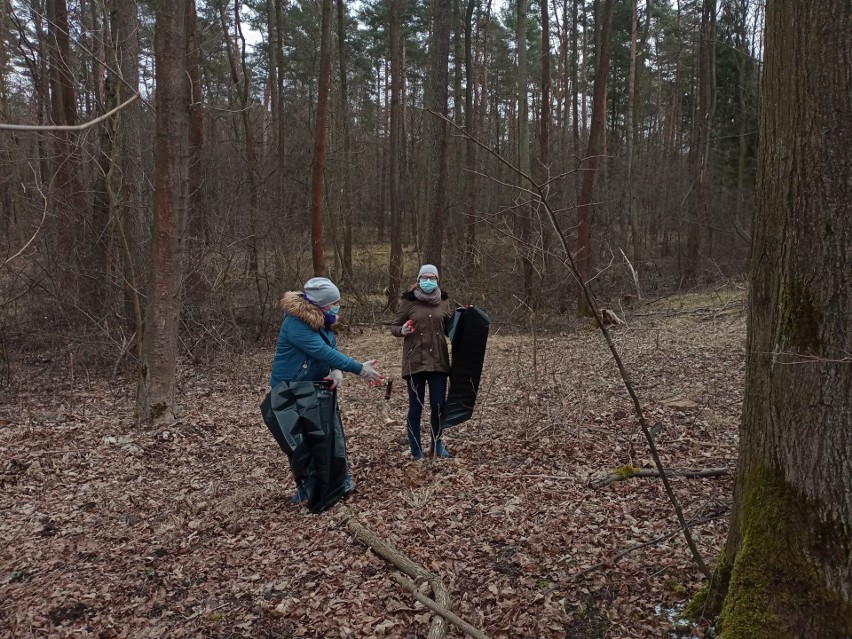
428 268
321 291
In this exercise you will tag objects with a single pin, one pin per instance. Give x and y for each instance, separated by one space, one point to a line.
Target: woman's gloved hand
373 377
408 328
335 377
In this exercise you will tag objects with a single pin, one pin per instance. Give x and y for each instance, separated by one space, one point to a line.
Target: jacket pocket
302 373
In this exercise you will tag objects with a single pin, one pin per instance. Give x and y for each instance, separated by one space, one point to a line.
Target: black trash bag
305 420
468 333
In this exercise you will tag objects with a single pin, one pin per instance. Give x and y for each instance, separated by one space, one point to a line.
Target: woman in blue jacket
307 348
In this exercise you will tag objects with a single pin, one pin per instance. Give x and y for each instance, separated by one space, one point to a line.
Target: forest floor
109 530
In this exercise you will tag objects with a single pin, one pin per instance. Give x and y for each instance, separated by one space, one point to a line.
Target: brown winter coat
425 350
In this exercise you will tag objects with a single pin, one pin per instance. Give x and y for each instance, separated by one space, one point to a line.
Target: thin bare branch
75 127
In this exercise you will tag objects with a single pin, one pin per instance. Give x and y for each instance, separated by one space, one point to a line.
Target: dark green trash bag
305 420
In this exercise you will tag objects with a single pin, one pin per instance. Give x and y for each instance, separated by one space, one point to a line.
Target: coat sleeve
315 347
402 316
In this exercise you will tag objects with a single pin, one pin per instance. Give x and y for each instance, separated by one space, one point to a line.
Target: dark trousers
416 385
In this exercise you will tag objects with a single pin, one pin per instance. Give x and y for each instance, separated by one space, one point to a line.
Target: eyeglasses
429 277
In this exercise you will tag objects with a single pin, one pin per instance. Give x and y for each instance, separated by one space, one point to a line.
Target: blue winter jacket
307 348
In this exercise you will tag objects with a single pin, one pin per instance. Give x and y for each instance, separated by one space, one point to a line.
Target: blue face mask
428 286
334 310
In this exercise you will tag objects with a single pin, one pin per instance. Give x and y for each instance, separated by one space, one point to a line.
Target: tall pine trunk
156 393
595 148
321 135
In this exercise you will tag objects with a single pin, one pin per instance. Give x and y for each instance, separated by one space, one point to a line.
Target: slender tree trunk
280 63
347 172
469 119
197 219
523 214
317 254
575 80
596 144
632 206
439 55
272 51
700 148
544 137
786 571
395 267
156 396
67 191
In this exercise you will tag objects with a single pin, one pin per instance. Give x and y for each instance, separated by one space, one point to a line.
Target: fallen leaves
114 531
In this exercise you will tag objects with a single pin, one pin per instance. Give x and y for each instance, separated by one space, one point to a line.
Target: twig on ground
653 472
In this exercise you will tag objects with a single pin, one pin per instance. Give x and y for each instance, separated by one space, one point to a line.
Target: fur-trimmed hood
409 294
296 305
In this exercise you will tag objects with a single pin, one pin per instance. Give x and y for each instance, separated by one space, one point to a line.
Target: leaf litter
111 530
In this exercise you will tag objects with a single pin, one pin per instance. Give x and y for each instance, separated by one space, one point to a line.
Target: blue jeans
416 385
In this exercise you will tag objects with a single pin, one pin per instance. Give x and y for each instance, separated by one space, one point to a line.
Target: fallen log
439 626
629 472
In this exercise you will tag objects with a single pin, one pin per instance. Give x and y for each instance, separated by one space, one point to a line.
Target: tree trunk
595 148
440 55
785 571
66 189
470 155
318 257
196 212
347 172
632 208
523 220
700 148
544 137
156 396
575 80
395 266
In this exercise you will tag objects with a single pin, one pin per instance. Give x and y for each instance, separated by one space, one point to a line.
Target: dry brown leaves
109 530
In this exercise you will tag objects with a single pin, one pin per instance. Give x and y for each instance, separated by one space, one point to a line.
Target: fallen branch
629 472
658 540
446 614
438 629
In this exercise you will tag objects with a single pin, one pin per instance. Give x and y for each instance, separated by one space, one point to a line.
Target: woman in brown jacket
421 321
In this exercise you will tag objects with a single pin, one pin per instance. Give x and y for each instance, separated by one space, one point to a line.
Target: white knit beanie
428 268
321 291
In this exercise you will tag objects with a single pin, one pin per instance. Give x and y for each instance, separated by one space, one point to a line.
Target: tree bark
440 55
595 148
156 393
700 148
347 173
395 266
786 570
317 254
470 148
523 214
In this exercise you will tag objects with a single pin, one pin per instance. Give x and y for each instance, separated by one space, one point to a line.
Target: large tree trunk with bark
786 569
156 397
